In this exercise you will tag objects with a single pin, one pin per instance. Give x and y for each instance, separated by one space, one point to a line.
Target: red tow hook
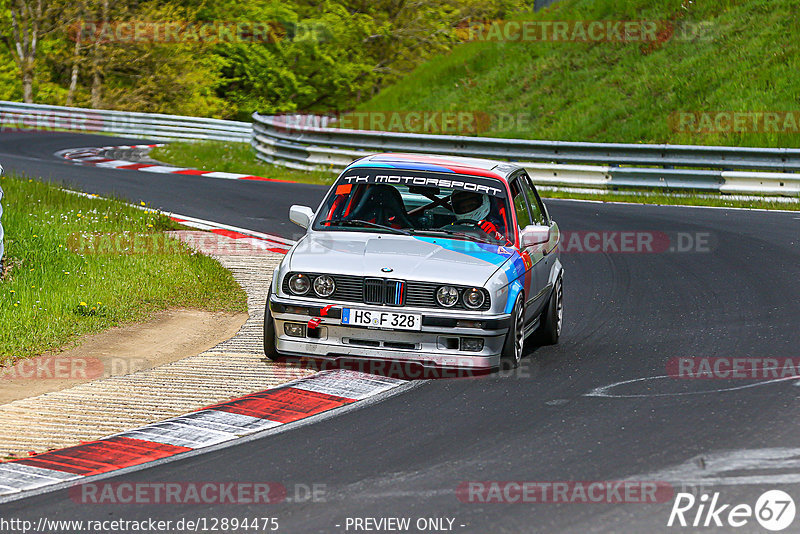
312 330
314 322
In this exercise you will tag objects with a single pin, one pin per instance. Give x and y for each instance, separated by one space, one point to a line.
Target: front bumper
438 344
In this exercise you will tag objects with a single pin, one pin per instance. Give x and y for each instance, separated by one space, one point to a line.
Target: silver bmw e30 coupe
443 261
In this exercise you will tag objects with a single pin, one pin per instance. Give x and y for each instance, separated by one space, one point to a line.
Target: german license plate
382 319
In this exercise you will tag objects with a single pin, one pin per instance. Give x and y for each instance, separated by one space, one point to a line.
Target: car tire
270 351
552 317
515 338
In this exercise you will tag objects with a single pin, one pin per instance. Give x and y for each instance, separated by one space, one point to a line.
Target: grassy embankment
55 289
719 55
710 56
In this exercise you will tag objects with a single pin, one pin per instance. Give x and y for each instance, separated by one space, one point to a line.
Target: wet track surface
626 316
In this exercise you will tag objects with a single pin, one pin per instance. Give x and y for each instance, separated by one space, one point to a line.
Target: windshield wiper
355 222
456 234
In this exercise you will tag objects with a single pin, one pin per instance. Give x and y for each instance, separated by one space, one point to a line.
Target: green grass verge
745 58
53 292
233 157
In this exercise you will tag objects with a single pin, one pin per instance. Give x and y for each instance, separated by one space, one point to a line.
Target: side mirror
301 215
534 235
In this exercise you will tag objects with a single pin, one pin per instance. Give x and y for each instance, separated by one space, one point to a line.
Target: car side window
537 210
520 205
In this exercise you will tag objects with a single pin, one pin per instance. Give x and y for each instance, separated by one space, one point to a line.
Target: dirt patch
169 336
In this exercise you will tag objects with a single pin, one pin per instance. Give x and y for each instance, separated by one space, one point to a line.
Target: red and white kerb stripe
256 240
213 425
95 156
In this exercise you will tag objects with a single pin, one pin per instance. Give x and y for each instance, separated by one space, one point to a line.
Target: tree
326 55
177 77
76 55
97 57
27 22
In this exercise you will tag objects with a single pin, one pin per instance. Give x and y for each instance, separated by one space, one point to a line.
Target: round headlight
447 296
474 298
299 284
324 286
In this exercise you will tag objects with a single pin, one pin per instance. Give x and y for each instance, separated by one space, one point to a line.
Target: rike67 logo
774 510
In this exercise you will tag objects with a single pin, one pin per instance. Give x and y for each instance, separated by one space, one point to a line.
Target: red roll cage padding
354 198
502 212
337 202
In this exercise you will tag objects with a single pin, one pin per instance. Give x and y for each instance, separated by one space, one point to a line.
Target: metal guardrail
157 126
308 143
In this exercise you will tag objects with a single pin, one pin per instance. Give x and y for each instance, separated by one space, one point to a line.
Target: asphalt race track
236 202
556 418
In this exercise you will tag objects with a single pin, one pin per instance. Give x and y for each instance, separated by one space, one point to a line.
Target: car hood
433 259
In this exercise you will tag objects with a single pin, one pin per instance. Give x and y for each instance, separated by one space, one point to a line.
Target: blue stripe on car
514 289
493 254
411 166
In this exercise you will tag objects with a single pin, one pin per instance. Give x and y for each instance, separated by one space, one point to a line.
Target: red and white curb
95 156
211 426
250 238
254 240
257 240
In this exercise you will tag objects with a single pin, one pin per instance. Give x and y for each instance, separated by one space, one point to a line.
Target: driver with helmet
475 208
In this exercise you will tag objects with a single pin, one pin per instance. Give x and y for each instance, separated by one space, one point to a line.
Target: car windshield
464 207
